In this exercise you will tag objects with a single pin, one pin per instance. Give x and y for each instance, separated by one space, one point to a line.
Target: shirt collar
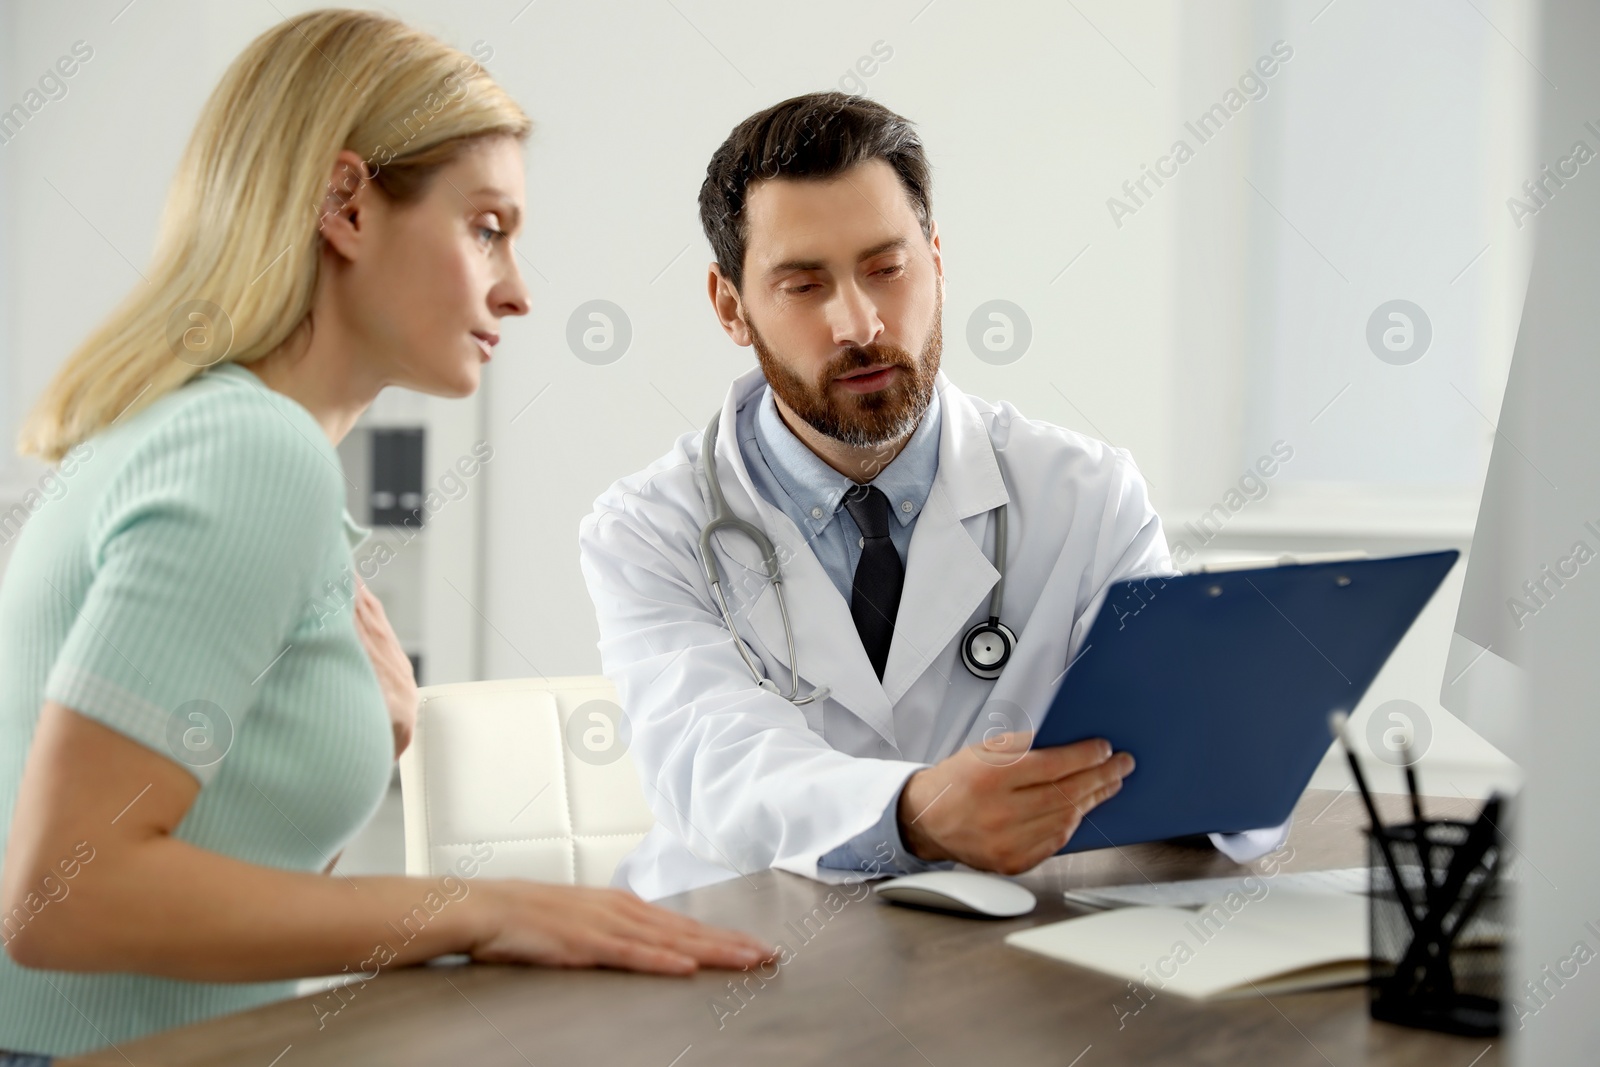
818 489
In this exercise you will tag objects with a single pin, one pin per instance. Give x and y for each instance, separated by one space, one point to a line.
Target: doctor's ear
728 305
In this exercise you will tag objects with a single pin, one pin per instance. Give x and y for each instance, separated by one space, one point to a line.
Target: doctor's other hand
1007 808
576 926
390 663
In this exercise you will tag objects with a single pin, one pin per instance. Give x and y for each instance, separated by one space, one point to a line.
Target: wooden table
870 983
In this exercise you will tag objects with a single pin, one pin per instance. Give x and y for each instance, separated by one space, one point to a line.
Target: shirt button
905 506
816 513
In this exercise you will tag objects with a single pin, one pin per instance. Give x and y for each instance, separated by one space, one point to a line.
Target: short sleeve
202 554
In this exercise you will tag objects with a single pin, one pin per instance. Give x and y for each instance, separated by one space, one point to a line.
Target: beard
861 420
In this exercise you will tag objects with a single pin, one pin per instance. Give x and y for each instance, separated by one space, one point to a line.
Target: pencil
1336 723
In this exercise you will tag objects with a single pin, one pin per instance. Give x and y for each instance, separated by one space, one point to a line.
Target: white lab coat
739 778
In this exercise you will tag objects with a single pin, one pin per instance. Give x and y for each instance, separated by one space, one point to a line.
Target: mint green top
187 581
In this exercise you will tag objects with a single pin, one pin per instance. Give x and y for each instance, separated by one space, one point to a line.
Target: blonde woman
187 737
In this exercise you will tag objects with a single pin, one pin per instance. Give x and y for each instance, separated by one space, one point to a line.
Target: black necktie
875 591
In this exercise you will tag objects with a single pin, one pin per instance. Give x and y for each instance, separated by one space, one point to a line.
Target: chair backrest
534 771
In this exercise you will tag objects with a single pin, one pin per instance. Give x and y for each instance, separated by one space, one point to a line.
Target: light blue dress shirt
797 482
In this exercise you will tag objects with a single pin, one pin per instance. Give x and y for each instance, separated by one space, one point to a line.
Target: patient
188 735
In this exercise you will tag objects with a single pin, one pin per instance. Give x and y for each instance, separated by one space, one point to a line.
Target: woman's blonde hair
234 270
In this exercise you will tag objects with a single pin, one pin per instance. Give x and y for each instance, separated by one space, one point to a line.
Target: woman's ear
346 195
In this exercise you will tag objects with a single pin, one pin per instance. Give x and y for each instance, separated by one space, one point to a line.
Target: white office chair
503 765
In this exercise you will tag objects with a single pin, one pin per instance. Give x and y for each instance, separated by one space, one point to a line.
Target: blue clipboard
1221 685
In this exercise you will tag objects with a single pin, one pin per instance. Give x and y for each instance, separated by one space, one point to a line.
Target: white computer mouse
967 892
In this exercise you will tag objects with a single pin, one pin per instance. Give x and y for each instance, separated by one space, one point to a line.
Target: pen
1424 844
1336 723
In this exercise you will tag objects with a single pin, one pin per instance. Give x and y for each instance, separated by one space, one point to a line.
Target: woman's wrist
482 913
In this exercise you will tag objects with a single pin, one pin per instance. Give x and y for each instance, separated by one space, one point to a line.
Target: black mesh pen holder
1440 967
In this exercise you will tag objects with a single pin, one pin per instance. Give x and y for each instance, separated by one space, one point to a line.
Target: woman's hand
390 662
576 926
264 923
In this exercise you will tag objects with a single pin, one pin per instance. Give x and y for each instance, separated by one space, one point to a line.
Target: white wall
1029 118
7 392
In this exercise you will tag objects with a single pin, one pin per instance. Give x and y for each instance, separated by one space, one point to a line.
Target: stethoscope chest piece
987 648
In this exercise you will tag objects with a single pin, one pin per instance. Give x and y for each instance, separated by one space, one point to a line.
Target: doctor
868 710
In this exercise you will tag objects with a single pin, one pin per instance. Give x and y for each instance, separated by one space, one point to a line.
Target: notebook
1287 940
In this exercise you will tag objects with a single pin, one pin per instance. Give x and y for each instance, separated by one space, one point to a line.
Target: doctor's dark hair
818 135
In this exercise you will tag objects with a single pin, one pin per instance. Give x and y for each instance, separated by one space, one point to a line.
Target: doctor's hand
576 926
390 663
996 806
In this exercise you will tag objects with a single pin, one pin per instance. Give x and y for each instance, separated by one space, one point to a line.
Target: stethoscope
985 649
